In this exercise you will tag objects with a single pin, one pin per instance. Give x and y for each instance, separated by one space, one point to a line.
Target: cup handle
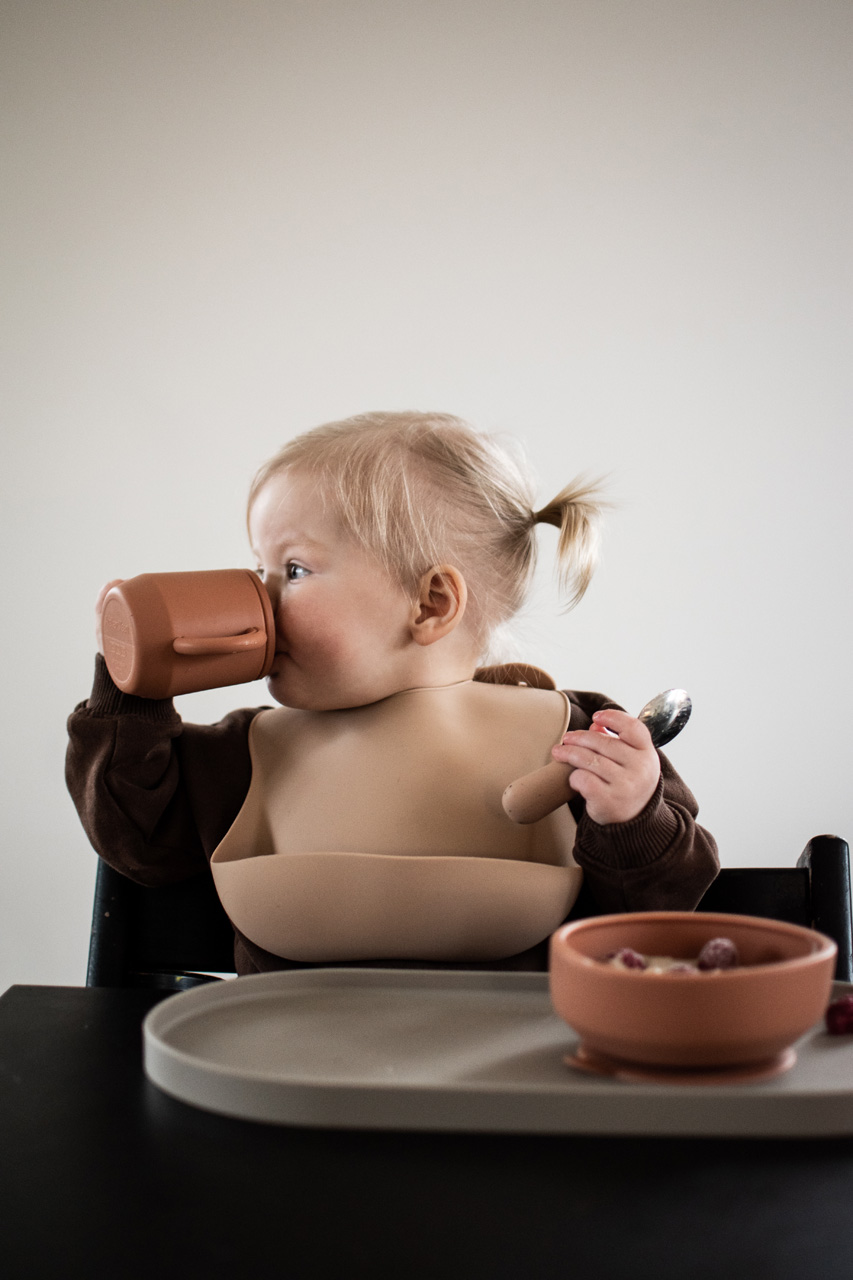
197 646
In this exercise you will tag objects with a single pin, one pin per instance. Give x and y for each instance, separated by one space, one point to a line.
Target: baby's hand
616 776
99 612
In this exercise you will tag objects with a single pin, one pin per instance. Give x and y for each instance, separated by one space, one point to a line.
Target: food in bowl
718 953
725 1017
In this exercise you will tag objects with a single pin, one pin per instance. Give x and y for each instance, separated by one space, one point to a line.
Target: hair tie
551 514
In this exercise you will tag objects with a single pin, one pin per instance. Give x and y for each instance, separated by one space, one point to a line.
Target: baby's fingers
585 750
628 728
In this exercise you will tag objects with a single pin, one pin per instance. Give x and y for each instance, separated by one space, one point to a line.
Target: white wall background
620 229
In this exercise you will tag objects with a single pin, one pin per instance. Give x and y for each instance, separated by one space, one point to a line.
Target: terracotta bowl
720 1018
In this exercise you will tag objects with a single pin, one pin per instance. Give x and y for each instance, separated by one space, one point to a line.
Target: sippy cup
171 633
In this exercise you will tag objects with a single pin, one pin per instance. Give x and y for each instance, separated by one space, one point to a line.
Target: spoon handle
538 793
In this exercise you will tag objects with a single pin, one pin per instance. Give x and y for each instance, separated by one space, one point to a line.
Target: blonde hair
422 489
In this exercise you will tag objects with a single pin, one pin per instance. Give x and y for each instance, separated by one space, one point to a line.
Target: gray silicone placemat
451 1050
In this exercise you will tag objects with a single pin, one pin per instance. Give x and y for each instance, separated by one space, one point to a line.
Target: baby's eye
295 572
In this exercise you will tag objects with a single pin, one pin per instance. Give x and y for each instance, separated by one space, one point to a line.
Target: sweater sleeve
660 860
155 796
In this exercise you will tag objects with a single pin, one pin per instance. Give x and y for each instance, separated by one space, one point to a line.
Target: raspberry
839 1017
719 953
630 959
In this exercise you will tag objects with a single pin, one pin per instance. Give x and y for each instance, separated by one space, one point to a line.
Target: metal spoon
536 794
666 715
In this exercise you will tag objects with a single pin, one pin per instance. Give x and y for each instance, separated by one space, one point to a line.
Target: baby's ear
440 604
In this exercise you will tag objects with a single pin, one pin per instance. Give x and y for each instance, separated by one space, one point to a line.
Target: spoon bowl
666 715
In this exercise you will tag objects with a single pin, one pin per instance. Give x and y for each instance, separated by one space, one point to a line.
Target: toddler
362 819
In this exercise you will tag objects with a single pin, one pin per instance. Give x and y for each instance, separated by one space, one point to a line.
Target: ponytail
576 512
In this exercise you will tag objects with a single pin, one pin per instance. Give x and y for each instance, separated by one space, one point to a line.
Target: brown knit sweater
156 796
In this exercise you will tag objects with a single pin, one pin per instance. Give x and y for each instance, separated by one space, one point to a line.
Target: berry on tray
839 1017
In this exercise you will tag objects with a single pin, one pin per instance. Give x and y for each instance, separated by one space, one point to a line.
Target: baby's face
343 627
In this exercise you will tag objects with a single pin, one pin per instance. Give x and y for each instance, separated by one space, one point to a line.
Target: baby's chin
306 698
298 699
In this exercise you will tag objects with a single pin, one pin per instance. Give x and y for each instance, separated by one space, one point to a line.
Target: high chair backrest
170 937
174 937
815 893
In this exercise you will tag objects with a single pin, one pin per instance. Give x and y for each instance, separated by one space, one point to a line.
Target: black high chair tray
456 1051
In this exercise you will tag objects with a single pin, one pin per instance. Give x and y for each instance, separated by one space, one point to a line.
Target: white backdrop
619 229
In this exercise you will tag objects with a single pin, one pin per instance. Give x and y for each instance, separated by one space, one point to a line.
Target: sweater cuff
106 699
637 843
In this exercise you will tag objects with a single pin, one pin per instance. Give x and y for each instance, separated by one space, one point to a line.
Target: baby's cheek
302 627
324 646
